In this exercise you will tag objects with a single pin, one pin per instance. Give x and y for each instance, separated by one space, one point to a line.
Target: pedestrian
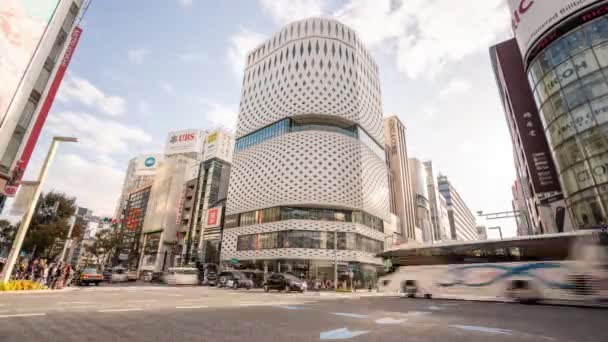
70 276
45 275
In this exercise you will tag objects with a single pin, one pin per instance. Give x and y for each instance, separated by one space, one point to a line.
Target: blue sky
143 68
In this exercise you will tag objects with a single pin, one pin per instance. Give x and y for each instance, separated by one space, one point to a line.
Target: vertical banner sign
11 189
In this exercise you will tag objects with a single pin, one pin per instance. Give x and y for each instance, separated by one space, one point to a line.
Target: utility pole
27 217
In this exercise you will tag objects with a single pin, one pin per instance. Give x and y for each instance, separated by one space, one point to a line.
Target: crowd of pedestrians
52 275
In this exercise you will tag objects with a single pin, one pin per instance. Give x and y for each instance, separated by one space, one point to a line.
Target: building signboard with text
186 141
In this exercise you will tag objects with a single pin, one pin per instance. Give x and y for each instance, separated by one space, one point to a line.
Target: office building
309 182
203 206
462 221
36 43
439 214
401 191
140 172
534 166
564 63
482 233
422 202
130 230
162 218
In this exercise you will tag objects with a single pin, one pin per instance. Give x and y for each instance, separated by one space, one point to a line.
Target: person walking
45 274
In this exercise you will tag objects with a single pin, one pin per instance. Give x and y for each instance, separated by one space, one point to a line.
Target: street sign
234 261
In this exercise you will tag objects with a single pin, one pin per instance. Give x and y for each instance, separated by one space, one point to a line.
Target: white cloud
220 115
424 36
95 183
240 45
78 90
429 112
455 87
167 87
193 57
97 136
137 55
185 3
285 11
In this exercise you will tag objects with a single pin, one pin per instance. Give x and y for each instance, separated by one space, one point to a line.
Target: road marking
23 315
351 315
291 307
121 310
252 304
67 303
389 320
435 308
340 334
192 307
483 329
143 301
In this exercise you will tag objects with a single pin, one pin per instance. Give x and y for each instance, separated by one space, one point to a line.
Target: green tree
50 225
7 234
103 247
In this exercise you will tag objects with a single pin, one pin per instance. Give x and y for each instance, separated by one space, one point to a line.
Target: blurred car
119 275
88 276
132 276
235 280
285 282
107 274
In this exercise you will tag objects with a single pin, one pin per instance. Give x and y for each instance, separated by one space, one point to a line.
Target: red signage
212 217
44 111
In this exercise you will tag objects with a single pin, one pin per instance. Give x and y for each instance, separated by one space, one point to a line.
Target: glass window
351 241
601 52
576 41
28 112
585 63
595 141
597 30
341 240
594 85
582 118
584 178
558 103
554 132
599 168
600 109
569 182
536 73
566 73
575 95
568 154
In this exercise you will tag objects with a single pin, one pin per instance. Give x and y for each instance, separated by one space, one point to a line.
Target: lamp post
27 217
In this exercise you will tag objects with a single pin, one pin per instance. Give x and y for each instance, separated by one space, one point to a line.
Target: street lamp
27 217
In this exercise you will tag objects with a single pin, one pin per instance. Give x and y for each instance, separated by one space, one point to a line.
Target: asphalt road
208 314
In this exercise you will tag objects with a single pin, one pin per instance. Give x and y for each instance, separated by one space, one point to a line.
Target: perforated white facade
315 70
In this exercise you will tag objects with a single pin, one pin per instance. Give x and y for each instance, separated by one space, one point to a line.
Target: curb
26 292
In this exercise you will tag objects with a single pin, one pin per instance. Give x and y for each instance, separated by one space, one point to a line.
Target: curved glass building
567 67
309 179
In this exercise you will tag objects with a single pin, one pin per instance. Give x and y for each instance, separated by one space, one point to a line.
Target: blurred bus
567 266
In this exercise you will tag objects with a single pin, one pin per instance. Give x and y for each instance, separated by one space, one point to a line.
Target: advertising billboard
22 26
147 164
531 19
186 141
519 105
214 217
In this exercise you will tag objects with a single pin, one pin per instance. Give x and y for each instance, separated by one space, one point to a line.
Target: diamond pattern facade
314 68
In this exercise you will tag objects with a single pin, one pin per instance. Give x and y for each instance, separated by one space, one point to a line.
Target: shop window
594 85
601 52
585 63
599 168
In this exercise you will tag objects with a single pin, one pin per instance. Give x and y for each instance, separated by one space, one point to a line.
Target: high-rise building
141 171
519 206
439 215
565 64
130 230
421 196
462 221
199 235
36 44
402 199
309 182
162 219
534 166
482 233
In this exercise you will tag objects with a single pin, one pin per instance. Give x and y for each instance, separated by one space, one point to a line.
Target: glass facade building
570 83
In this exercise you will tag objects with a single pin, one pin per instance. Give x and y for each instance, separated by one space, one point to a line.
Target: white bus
570 266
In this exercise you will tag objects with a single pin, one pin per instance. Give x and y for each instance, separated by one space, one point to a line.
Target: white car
119 275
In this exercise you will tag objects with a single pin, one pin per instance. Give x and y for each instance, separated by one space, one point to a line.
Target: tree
50 225
105 244
7 234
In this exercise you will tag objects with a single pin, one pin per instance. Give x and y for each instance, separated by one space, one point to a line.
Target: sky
146 67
